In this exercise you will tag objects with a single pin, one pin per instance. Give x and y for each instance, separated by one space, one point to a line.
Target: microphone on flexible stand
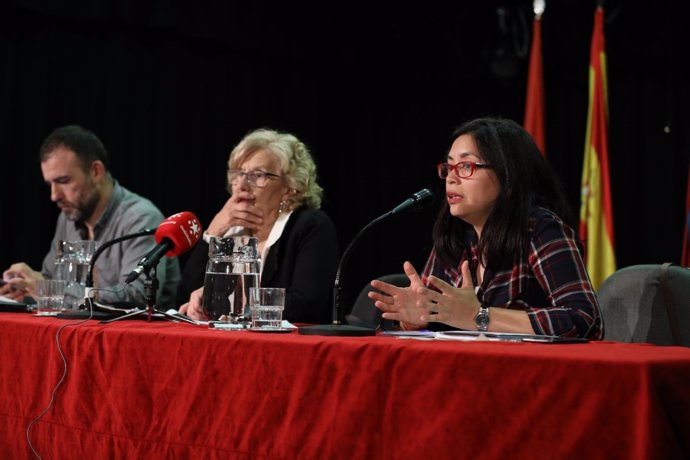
175 235
417 200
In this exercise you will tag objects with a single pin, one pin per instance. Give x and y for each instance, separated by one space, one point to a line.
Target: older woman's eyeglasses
463 170
255 178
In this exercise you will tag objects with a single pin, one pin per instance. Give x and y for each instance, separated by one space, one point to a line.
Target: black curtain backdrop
375 93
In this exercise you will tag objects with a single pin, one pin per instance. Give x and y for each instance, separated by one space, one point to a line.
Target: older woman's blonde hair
296 164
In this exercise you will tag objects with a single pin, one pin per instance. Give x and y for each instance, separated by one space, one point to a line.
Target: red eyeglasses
463 170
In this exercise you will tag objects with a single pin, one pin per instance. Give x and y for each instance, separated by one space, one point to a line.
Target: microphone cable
62 379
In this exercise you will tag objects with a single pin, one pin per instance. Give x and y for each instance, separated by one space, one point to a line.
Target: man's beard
84 210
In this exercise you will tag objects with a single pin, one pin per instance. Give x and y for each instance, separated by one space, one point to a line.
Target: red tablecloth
165 390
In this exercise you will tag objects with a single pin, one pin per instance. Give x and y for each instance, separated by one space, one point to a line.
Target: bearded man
94 206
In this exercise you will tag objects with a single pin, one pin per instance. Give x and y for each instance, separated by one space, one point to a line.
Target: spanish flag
596 211
534 102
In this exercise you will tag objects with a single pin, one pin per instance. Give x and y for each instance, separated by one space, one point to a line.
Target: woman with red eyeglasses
503 260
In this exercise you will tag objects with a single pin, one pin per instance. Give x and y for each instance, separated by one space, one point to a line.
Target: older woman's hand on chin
404 304
194 308
238 211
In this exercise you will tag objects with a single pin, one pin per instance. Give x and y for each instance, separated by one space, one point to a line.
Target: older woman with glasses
503 260
274 197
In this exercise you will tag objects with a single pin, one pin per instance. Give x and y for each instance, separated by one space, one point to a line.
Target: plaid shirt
551 283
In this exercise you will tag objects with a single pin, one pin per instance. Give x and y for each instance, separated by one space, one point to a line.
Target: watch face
483 320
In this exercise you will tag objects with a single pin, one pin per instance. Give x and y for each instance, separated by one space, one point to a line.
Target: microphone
175 235
417 200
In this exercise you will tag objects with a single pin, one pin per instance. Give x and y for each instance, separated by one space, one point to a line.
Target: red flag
534 102
596 212
685 259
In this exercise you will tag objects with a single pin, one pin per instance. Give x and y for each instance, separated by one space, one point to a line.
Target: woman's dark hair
526 181
84 143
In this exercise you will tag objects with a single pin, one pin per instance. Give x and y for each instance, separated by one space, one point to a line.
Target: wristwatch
482 319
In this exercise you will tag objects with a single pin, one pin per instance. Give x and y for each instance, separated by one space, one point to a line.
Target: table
138 389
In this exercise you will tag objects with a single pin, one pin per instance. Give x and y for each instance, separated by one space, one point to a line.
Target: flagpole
685 256
534 121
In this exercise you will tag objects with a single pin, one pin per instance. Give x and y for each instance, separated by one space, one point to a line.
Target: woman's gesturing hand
453 306
400 303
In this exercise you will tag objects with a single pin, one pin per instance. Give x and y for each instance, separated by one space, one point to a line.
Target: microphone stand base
339 330
86 314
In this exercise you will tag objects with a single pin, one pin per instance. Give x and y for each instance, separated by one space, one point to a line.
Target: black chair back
647 303
365 314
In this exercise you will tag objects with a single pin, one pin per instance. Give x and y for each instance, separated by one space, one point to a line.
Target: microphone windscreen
416 201
182 229
423 198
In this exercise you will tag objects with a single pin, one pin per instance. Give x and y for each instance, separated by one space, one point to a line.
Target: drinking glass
49 297
267 305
